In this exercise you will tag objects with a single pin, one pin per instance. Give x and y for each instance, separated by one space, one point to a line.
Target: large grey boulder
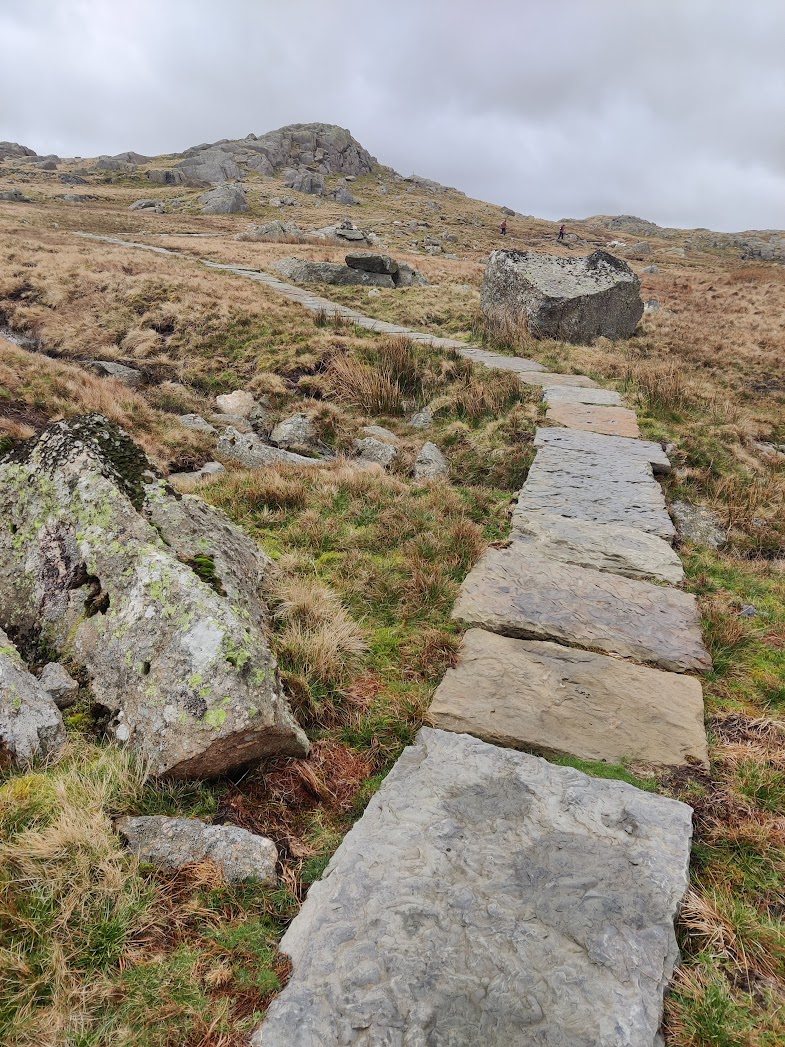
372 263
303 272
570 299
372 451
14 196
31 727
224 199
489 897
184 670
295 433
168 176
213 164
15 151
172 843
271 231
240 403
120 372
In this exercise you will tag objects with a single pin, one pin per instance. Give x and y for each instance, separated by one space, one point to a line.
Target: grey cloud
668 109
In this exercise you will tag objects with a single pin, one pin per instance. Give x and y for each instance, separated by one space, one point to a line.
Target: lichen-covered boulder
31 727
94 553
571 299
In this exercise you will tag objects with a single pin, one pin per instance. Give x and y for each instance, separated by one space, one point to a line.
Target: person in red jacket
561 234
504 227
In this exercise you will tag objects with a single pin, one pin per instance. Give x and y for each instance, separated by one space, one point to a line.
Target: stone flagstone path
487 896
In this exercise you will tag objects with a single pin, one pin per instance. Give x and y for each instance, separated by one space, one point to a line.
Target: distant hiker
561 234
504 227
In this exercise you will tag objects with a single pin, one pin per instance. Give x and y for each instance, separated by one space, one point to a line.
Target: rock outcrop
31 727
304 272
127 580
224 199
15 151
570 299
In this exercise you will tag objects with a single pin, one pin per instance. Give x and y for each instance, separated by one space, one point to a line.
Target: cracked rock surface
31 727
488 897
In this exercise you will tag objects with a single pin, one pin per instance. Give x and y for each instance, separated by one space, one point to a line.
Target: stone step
498 361
557 394
489 897
517 592
540 696
611 547
606 446
587 487
545 378
590 418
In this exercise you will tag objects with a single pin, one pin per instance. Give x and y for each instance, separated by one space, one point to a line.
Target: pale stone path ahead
487 896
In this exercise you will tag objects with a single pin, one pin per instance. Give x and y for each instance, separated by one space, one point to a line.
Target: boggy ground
98 947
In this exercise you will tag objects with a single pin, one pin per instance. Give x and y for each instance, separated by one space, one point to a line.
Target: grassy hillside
100 948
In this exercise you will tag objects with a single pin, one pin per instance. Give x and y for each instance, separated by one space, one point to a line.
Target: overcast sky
670 109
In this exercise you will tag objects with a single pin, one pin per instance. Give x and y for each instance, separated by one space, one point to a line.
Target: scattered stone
172 843
72 179
31 727
240 403
76 198
496 898
409 277
748 611
772 450
195 421
639 251
372 263
373 451
430 464
576 395
208 470
651 305
653 268
517 592
223 421
610 421
699 525
421 419
271 231
605 446
380 433
224 199
253 453
169 177
147 205
614 547
295 433
110 369
190 681
59 685
16 196
342 196
529 694
570 299
46 165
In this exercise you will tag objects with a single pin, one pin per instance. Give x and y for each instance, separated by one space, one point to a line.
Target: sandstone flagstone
588 487
518 592
489 897
546 379
575 395
611 421
531 694
606 446
612 547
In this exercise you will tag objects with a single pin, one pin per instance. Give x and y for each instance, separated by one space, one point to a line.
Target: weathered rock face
14 196
593 418
307 182
372 263
272 231
224 199
595 444
188 676
295 433
110 369
576 395
253 453
240 403
571 299
211 165
14 151
699 525
552 699
31 727
375 452
488 897
303 272
430 464
175 842
59 685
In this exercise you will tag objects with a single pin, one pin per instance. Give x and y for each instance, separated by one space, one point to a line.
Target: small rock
109 369
430 463
508 211
380 433
15 195
212 469
374 451
422 419
31 727
343 196
748 611
174 842
239 403
253 453
195 421
223 421
147 205
698 524
295 433
373 292
652 305
653 268
57 683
